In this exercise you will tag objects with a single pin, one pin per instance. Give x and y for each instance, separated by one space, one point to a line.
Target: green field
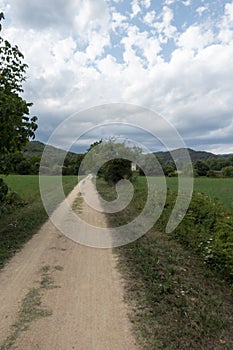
18 225
27 186
221 189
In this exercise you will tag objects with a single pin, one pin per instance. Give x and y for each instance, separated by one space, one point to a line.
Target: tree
211 173
201 168
116 170
16 127
79 159
111 160
170 170
24 167
228 171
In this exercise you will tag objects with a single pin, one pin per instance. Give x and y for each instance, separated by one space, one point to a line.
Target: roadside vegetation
179 285
22 218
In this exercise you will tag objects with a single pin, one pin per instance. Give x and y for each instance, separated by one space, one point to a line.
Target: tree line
151 164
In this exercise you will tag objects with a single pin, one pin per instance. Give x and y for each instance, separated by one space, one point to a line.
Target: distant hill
178 154
36 148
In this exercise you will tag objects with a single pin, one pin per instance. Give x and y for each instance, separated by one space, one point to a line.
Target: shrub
3 190
8 200
206 229
211 173
116 170
228 171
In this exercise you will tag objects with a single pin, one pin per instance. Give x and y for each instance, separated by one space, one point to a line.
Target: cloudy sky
174 57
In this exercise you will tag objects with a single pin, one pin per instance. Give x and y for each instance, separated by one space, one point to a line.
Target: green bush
13 199
206 229
228 171
8 200
211 173
116 170
3 191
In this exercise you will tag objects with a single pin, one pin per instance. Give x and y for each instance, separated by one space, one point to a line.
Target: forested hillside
28 162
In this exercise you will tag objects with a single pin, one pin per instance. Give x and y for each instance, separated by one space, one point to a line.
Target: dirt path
62 295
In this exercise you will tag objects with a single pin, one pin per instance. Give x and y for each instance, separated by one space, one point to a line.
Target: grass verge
18 226
177 302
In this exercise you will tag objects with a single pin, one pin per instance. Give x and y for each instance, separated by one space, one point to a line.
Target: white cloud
169 2
226 25
165 28
64 49
96 45
187 2
135 8
91 16
78 17
151 50
146 3
119 21
149 18
200 10
149 47
229 11
109 64
167 15
195 38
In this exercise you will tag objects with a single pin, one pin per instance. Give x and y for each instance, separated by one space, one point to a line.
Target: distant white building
133 166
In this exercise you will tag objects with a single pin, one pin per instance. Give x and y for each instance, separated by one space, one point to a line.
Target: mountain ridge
36 148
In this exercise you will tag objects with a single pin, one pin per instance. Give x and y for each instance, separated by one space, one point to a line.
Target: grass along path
176 301
18 226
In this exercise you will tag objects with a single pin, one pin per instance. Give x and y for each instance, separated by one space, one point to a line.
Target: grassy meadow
19 224
216 188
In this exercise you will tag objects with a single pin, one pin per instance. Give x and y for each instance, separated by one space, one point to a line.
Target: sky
172 57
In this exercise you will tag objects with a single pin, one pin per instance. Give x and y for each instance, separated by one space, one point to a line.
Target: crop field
19 223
